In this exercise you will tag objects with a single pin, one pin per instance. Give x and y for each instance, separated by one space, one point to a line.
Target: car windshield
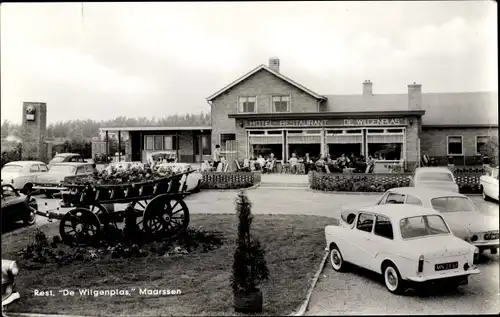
423 226
58 159
12 168
436 177
63 169
452 204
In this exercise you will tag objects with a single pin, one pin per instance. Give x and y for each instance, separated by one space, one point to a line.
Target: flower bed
229 180
467 183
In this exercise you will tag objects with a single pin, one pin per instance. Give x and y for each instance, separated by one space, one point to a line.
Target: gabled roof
264 67
441 109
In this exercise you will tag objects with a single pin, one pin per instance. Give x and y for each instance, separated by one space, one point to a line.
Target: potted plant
249 266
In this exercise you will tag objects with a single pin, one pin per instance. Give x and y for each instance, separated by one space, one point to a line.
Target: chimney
415 96
274 64
367 88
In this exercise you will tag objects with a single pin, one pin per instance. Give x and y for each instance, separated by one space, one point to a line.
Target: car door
10 199
491 183
362 240
34 169
380 242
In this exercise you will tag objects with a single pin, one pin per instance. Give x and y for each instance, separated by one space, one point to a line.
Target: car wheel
392 279
31 216
485 197
27 188
336 259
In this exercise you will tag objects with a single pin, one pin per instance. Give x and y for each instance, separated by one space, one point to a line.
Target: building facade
265 112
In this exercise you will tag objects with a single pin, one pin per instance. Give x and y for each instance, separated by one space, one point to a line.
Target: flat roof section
113 129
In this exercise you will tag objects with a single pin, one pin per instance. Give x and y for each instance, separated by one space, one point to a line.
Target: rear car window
452 204
12 168
58 159
412 200
436 177
34 168
422 226
395 198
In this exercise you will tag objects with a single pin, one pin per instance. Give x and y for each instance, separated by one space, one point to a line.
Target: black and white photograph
247 158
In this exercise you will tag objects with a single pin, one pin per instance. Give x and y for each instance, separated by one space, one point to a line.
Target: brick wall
35 132
433 141
263 85
412 134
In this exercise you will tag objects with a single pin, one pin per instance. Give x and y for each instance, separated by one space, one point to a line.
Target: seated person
320 164
270 163
261 162
294 162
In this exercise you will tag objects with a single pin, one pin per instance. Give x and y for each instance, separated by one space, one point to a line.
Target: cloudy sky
156 59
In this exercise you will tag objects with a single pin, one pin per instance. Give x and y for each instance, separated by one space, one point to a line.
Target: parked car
16 206
66 157
463 217
434 177
21 174
489 183
410 246
9 272
49 182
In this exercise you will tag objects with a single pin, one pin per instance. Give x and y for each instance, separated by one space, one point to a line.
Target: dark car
50 183
66 157
16 206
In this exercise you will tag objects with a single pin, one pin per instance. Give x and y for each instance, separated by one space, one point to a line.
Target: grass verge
294 246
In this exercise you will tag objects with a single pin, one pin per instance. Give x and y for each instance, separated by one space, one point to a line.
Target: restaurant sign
326 123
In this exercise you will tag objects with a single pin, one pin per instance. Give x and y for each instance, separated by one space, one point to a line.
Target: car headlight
14 268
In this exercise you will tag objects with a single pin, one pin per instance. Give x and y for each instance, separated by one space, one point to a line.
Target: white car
434 177
463 217
489 183
22 174
409 245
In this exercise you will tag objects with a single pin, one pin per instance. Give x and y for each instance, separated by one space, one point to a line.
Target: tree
249 266
490 149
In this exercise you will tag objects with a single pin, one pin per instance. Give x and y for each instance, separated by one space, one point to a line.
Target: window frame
238 104
37 166
288 107
406 200
477 137
375 226
448 145
357 222
393 193
146 143
172 139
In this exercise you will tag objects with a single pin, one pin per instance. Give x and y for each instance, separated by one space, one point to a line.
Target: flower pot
248 302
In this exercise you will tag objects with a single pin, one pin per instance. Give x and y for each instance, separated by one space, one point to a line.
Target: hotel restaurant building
265 111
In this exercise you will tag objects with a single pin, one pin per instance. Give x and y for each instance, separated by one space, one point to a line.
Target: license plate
446 266
491 236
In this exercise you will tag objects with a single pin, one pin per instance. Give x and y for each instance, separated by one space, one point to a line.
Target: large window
148 144
388 151
281 103
455 145
168 142
246 104
160 143
452 204
480 142
224 137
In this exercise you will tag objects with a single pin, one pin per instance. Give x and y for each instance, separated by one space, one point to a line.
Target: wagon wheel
166 216
80 227
140 208
99 210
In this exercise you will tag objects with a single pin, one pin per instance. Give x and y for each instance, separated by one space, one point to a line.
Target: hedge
229 180
467 183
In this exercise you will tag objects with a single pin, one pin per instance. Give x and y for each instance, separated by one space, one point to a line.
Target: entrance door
202 147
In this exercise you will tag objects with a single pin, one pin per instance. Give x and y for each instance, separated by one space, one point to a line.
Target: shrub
249 266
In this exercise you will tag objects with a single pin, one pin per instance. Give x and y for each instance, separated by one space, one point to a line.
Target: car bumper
483 245
438 278
49 187
11 298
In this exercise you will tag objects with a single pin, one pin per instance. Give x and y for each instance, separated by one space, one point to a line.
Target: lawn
294 246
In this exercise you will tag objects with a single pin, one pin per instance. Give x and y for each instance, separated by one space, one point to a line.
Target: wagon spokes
80 227
162 219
